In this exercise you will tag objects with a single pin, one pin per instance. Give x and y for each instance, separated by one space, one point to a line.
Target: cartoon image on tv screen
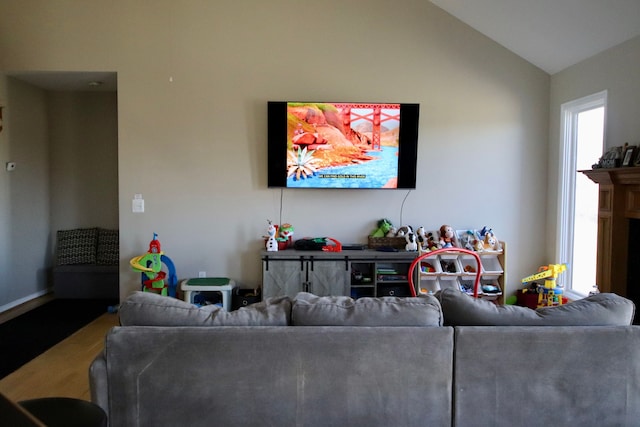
339 145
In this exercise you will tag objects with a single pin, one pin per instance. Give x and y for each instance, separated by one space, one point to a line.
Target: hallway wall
65 145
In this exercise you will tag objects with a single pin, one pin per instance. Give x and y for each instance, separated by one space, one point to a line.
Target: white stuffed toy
272 243
411 245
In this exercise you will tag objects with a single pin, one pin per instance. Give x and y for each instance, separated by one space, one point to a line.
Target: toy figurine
272 243
422 237
447 236
411 245
432 243
286 235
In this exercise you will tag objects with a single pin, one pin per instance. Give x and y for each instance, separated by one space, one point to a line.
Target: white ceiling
551 34
70 80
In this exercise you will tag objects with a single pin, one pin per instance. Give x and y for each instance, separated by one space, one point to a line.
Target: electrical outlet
202 274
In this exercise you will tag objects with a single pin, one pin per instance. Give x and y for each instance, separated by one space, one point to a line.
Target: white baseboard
22 300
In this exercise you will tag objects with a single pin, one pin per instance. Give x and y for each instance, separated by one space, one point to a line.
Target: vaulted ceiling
551 34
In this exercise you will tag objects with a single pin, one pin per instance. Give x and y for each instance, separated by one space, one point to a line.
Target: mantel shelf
615 176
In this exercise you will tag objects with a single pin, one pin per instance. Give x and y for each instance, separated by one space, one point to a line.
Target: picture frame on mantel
636 160
629 159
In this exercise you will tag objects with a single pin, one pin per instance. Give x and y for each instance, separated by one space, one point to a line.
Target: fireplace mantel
620 176
618 201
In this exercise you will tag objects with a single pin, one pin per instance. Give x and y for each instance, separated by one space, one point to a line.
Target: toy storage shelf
458 271
371 273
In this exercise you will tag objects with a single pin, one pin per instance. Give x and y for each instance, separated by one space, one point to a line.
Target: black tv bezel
277 145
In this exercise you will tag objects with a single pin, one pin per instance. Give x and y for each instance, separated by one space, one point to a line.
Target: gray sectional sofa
448 360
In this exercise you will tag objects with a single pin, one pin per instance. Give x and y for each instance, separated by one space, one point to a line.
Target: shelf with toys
458 270
450 270
383 268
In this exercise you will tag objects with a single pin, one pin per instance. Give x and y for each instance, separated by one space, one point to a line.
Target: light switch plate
137 205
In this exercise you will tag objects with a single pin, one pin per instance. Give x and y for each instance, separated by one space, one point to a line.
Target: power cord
402 208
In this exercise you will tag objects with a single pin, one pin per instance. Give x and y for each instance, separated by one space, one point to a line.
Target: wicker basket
393 242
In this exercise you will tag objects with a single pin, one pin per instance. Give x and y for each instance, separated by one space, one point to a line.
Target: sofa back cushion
311 310
150 309
603 309
76 246
108 249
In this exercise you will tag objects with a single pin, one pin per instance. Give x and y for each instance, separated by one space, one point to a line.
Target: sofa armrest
98 382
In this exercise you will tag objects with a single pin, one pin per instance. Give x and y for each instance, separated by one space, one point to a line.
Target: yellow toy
550 293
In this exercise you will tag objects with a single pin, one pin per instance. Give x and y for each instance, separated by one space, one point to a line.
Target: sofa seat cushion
150 309
603 309
311 310
547 376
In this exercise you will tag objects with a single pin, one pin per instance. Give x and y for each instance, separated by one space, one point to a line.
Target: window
581 145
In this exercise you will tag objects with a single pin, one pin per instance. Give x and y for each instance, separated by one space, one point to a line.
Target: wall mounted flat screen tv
342 145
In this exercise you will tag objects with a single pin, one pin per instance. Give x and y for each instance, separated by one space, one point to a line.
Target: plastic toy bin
223 285
491 266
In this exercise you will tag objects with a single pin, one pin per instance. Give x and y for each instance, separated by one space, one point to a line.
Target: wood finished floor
63 370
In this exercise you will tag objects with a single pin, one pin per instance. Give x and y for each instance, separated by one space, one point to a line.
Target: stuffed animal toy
432 243
447 236
411 245
490 243
422 237
384 225
467 240
286 234
404 230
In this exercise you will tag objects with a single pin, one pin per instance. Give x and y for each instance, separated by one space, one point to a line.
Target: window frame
567 160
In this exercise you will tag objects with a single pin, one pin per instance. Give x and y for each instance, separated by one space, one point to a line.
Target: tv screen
342 145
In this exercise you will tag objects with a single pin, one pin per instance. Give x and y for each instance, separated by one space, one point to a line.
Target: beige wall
194 78
616 71
83 139
25 192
